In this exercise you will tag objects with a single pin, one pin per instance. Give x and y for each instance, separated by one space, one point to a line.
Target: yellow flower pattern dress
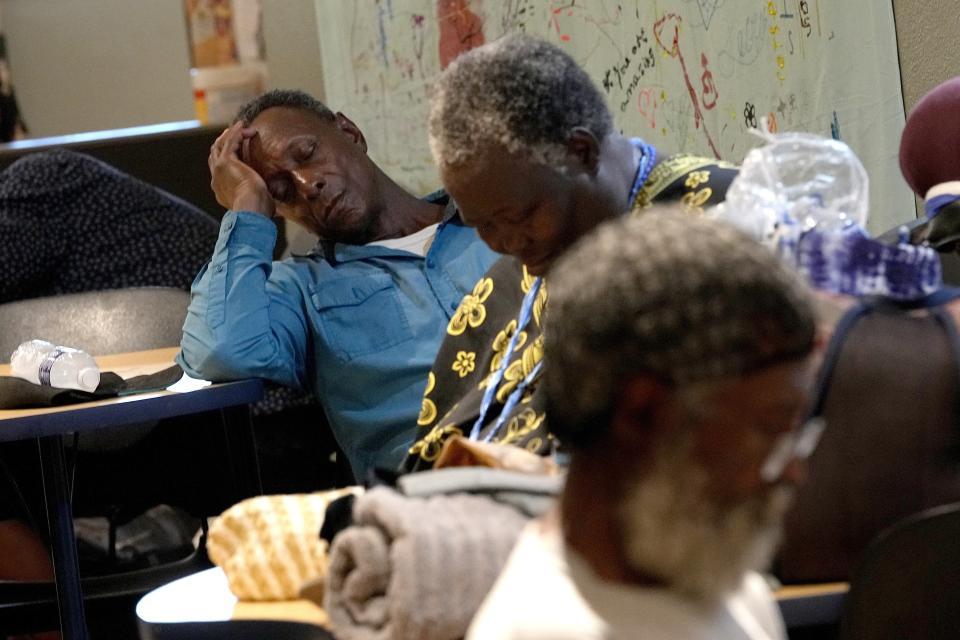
479 333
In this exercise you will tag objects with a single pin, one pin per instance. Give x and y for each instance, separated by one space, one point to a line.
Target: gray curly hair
290 98
683 298
519 92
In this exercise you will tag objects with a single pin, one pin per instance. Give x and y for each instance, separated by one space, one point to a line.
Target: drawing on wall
686 75
460 29
210 27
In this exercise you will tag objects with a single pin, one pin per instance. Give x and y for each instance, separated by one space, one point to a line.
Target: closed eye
280 190
305 152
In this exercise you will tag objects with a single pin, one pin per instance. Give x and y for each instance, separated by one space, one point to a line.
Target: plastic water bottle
43 363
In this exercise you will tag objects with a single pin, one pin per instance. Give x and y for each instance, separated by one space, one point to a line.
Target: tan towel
416 567
458 451
269 545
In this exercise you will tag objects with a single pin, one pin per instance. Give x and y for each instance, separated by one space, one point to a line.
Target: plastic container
47 364
219 92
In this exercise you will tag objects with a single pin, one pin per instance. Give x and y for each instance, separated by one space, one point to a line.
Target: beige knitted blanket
416 567
269 546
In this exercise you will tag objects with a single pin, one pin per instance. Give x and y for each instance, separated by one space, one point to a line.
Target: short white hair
520 93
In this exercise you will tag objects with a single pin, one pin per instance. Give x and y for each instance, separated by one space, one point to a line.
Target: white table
201 604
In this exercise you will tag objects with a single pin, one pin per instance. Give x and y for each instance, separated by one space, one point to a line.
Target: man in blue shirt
358 322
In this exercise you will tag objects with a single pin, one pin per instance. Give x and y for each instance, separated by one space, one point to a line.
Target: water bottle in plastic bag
807 198
47 364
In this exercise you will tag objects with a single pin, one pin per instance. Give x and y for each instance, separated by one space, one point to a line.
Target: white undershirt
418 243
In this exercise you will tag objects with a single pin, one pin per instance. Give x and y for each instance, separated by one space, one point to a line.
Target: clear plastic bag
807 197
799 181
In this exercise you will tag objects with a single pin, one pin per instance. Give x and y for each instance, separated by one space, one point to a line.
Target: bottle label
47 365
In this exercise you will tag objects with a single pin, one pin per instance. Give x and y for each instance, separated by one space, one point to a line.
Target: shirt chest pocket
360 316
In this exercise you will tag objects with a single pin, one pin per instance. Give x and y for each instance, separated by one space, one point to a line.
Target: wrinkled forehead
776 389
279 129
484 187
500 169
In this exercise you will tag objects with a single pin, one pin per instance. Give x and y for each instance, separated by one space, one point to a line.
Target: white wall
85 65
927 35
98 64
293 46
82 65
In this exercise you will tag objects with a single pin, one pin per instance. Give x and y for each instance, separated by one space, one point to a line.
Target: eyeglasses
796 445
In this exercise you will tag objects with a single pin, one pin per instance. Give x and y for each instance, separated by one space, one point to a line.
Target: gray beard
675 532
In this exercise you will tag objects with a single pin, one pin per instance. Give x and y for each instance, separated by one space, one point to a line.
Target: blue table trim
812 610
81 417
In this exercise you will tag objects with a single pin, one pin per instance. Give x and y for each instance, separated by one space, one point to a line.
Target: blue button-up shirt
360 331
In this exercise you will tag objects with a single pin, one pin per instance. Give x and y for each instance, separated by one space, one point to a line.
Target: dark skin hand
236 185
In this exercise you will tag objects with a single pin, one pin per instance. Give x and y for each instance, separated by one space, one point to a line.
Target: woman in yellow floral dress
527 148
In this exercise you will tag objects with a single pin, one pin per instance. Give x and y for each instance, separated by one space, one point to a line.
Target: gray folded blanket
416 567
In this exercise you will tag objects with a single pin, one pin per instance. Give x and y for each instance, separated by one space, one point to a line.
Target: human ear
583 148
346 125
639 414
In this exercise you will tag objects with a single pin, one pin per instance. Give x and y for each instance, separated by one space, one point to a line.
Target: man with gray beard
679 360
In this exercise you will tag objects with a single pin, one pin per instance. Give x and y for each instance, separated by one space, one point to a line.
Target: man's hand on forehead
249 133
245 150
236 184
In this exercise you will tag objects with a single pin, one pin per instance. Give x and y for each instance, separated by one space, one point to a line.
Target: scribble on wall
460 29
688 75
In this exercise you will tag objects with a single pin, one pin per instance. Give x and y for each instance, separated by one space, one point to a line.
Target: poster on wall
695 76
210 28
227 56
224 32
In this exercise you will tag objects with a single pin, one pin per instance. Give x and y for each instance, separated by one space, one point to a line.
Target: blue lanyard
512 401
933 205
648 156
526 312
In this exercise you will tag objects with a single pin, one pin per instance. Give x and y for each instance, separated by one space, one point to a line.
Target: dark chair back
892 443
99 322
172 157
908 584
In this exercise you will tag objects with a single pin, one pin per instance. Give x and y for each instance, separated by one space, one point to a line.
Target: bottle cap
89 378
